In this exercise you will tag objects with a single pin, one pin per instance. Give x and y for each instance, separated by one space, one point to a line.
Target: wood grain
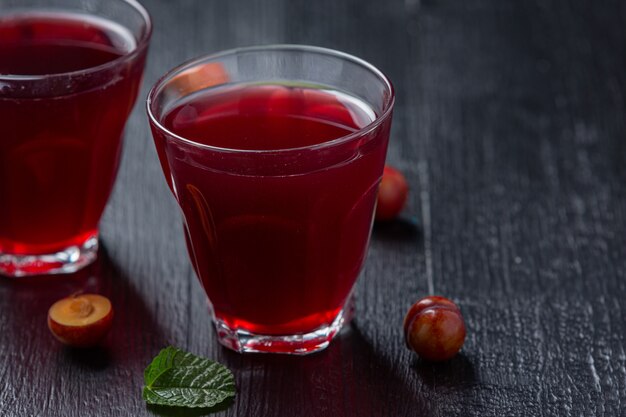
510 128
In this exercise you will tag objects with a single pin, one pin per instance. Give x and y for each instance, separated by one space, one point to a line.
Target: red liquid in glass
59 151
276 254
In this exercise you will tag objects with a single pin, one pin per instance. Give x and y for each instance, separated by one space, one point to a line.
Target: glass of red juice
70 71
274 155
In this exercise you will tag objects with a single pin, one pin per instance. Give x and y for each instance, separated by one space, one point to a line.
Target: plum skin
434 328
392 194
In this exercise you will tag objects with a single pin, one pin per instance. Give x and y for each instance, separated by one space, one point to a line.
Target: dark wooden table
510 126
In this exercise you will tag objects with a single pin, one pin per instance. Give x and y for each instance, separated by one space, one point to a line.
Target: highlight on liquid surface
37 43
276 254
59 149
267 117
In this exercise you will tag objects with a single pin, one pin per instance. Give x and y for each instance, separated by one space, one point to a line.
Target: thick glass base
297 344
65 261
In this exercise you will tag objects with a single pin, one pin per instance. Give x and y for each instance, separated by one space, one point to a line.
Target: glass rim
162 81
141 44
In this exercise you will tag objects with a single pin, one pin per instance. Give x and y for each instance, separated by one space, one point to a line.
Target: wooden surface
510 128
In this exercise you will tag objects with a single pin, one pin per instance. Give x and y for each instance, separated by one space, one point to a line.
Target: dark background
510 128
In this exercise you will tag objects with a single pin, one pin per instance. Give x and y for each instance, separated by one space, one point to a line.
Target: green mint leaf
181 379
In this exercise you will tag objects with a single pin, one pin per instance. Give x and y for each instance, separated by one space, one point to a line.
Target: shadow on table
455 372
398 230
93 359
348 379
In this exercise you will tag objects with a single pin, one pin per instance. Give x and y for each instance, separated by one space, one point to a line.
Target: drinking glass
70 71
277 235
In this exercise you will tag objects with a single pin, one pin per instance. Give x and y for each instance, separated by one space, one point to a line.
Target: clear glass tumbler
70 71
274 155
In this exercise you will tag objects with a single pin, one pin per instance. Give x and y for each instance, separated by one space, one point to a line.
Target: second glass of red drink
274 155
70 72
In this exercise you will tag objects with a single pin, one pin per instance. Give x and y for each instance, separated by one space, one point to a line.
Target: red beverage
277 245
71 82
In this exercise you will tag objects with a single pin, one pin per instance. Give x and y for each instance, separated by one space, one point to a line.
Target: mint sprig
180 379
